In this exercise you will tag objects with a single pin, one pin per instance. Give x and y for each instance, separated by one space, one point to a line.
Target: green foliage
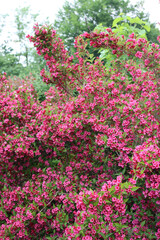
9 62
41 88
86 165
74 19
153 33
123 26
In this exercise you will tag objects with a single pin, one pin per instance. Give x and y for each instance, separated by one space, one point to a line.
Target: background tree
24 21
9 62
153 33
80 16
24 53
2 21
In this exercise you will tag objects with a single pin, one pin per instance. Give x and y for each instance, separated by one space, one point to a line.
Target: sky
153 8
49 8
46 8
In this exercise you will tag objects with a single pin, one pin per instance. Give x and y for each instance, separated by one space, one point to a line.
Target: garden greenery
85 162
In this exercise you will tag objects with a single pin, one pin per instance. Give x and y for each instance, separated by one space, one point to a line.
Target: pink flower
139 54
29 214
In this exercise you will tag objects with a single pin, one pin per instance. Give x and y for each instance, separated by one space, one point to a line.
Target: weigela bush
84 163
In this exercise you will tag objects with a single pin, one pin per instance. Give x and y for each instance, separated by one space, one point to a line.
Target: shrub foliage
85 162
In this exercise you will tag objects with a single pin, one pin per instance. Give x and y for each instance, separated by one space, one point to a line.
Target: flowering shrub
84 163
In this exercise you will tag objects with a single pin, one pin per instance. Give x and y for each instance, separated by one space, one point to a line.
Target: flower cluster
84 163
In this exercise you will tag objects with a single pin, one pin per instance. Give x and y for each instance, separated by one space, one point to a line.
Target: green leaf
143 223
107 201
105 138
103 54
142 32
124 170
112 189
125 185
125 200
136 20
147 27
135 188
129 18
103 235
108 235
90 148
116 21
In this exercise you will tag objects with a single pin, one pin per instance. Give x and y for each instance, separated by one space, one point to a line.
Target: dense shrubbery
84 163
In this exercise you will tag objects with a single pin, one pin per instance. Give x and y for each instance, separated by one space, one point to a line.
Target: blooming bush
84 163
